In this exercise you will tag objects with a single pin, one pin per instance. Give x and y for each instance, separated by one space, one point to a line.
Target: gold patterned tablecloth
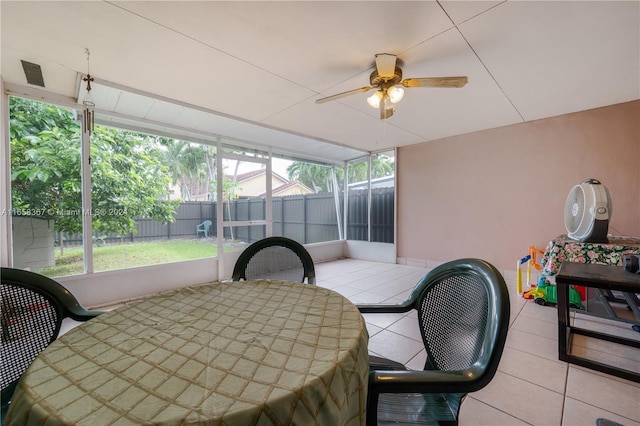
238 353
565 249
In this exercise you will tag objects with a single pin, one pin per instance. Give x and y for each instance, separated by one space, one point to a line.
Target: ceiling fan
387 79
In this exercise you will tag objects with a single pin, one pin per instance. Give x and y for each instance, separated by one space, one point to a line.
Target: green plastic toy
546 293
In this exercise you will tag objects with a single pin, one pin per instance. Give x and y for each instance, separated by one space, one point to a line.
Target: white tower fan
587 212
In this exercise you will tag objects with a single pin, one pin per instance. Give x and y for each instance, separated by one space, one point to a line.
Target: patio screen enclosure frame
226 148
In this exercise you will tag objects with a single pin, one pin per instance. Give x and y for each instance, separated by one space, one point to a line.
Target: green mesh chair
463 314
33 307
276 258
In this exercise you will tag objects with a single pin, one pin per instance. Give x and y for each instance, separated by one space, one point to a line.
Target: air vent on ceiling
33 73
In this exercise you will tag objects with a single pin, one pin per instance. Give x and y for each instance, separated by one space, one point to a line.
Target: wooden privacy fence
305 218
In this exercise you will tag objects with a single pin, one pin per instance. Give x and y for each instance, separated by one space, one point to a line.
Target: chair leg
372 409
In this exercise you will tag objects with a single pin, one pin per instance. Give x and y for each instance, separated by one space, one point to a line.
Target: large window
371 198
304 204
46 186
308 208
149 195
244 194
144 199
383 197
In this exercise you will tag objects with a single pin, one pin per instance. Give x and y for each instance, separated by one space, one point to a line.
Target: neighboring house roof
254 173
383 182
253 183
197 189
290 188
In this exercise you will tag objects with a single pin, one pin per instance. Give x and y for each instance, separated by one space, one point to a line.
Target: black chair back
454 310
33 307
463 313
277 258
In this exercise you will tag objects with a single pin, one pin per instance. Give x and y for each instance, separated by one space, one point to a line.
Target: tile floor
531 387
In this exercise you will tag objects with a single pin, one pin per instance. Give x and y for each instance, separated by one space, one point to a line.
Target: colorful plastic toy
519 273
546 293
543 293
533 252
530 260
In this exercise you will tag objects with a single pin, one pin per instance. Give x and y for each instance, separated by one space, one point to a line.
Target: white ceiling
266 63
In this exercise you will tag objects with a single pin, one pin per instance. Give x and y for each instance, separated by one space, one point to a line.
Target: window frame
138 125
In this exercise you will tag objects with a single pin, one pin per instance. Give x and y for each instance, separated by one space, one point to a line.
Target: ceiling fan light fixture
387 111
374 100
386 107
395 93
386 80
386 65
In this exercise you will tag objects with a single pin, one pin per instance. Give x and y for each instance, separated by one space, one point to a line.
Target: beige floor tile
615 355
327 283
610 394
407 326
367 283
513 314
397 299
476 413
531 343
577 413
535 326
605 325
67 324
391 290
368 297
516 301
521 399
543 313
620 350
394 346
347 291
373 329
537 370
418 361
382 320
344 279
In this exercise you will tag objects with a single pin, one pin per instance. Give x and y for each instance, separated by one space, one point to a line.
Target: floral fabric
565 249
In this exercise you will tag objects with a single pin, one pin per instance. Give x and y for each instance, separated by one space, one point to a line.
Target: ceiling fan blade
435 82
385 65
343 94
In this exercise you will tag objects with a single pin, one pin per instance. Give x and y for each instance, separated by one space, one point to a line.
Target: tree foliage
315 176
129 178
319 177
192 167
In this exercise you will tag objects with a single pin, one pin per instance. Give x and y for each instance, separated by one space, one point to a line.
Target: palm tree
381 166
189 165
172 160
315 176
318 177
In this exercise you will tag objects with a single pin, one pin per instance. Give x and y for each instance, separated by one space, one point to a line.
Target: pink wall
492 194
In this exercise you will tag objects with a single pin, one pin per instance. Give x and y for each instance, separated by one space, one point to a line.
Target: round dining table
228 353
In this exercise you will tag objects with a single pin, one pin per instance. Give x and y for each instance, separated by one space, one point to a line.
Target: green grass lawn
129 255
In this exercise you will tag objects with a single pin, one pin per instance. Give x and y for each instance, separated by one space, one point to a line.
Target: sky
278 165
